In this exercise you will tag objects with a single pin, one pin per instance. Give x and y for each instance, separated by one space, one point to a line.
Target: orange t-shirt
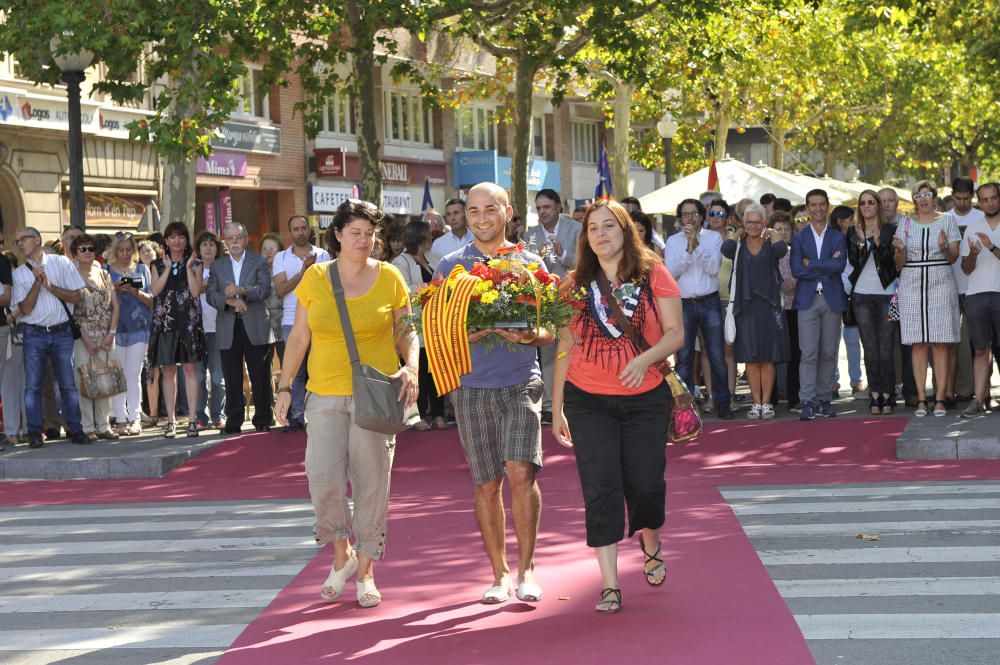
597 359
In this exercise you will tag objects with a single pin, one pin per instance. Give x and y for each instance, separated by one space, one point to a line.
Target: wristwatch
283 389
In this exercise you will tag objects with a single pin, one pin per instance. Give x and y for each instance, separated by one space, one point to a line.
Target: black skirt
761 333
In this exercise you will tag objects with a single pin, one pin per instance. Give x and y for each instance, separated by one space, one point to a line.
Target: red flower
543 277
529 300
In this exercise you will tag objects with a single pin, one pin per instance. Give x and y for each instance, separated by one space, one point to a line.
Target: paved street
142 583
920 586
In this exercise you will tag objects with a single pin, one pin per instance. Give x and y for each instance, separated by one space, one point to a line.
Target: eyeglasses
85 250
18 241
920 196
718 214
690 215
867 203
235 238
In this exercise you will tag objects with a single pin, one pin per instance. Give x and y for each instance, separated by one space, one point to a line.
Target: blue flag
427 203
604 190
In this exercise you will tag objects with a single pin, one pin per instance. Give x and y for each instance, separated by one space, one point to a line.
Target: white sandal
337 579
499 593
368 595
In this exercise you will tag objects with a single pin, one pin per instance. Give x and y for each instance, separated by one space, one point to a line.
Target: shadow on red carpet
717 607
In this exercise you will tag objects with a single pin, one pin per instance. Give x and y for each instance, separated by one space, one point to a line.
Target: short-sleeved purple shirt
500 366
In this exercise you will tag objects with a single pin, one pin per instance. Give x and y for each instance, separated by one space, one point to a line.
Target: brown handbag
101 378
685 421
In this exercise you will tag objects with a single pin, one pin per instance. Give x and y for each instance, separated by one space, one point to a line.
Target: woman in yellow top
337 450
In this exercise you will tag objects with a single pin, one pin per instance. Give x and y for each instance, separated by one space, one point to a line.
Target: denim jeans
216 397
705 315
298 408
40 346
852 340
878 337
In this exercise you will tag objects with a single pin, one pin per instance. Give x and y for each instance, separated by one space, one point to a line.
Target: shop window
339 117
584 138
538 136
407 120
253 102
476 127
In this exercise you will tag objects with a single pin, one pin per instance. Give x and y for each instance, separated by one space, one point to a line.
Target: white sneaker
754 413
767 412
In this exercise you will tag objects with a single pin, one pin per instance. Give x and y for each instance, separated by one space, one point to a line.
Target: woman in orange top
608 401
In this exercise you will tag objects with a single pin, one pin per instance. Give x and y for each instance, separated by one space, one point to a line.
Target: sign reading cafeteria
327 198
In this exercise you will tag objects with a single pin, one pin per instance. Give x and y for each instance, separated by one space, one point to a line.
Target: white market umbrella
737 180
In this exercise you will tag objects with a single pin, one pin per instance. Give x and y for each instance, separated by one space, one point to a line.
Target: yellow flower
482 287
489 297
532 267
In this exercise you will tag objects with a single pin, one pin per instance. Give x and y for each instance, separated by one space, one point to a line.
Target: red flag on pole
713 177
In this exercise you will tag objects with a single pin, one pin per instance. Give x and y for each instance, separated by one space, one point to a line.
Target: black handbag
376 396
848 315
74 327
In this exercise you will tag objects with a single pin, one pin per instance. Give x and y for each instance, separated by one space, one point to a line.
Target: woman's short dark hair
415 234
637 259
220 249
644 220
841 212
81 240
347 212
177 229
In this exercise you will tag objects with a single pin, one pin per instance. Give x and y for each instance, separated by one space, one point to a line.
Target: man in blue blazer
819 254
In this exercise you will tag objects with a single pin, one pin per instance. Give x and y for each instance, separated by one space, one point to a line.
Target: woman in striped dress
926 244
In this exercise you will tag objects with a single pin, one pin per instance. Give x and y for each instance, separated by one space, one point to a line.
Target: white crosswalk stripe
927 569
179 581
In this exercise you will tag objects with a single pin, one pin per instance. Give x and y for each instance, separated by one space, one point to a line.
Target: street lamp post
667 128
72 66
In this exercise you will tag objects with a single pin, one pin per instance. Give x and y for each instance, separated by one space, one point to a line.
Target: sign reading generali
394 170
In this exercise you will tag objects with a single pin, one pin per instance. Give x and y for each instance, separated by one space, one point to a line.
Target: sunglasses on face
85 250
868 203
801 220
123 235
920 196
717 214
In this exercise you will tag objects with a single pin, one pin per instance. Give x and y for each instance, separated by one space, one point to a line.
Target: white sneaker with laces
754 413
767 412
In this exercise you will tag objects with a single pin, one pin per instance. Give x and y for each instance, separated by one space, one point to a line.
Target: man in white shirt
287 270
981 262
693 256
960 375
458 235
554 239
42 287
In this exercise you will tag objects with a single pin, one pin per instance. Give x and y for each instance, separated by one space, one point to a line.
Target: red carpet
718 606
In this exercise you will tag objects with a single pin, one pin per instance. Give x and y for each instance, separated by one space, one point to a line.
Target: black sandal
654 571
610 602
192 429
875 405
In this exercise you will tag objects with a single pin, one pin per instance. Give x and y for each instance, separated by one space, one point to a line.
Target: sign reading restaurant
327 198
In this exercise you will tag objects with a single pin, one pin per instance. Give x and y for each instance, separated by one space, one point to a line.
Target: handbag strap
605 286
736 262
345 316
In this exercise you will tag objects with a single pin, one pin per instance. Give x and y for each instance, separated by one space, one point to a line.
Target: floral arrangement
511 293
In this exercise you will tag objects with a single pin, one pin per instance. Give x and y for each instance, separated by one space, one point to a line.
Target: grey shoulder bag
376 396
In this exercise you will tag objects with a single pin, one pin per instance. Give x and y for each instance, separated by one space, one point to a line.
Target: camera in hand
134 282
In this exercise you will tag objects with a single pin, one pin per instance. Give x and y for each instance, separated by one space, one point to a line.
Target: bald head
487 210
491 190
